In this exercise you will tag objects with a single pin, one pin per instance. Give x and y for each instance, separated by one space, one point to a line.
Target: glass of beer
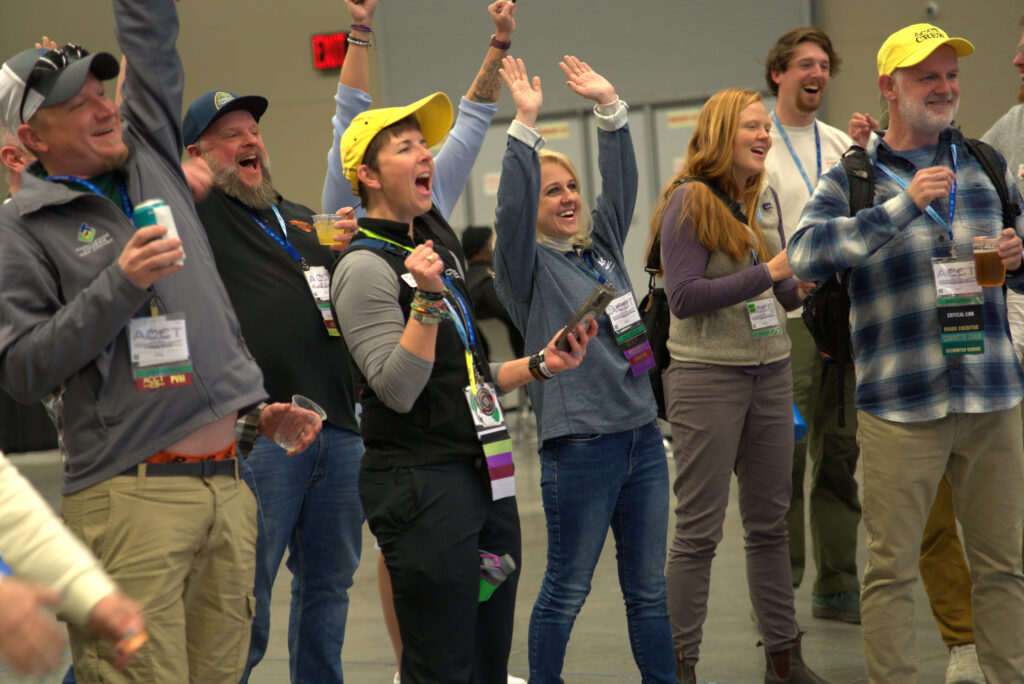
989 269
324 224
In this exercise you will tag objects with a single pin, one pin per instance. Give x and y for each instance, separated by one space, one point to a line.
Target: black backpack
827 308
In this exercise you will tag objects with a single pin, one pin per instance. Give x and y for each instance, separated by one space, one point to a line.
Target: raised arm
613 212
154 80
351 99
454 162
519 187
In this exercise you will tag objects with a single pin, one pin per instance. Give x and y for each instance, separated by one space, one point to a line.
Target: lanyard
929 210
792 152
459 311
126 203
287 246
591 271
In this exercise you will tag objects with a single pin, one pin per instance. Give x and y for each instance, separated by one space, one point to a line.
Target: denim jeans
588 483
308 503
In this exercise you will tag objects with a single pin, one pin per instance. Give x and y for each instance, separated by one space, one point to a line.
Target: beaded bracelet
362 28
428 307
538 369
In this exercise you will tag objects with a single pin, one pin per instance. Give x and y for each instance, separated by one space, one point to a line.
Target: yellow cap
913 44
434 114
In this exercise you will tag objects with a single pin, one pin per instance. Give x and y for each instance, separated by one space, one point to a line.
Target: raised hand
503 14
426 267
930 184
586 82
526 94
47 44
860 128
361 11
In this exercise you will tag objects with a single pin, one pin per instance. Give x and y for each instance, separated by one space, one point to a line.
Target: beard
919 117
225 179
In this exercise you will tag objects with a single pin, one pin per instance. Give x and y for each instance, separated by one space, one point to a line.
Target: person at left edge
151 484
275 272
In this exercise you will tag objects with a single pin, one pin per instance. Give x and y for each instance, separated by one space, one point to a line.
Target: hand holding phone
595 305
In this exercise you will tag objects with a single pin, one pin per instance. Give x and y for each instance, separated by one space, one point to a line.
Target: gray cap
50 88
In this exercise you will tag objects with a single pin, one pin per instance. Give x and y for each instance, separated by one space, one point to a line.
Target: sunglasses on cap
49 63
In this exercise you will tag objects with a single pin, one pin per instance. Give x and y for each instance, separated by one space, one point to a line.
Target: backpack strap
733 206
993 166
861 178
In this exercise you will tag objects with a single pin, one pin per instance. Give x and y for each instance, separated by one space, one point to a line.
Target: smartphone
595 305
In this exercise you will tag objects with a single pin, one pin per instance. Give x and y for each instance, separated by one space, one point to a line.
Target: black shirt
282 325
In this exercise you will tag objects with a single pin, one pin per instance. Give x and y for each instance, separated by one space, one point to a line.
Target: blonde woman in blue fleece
602 460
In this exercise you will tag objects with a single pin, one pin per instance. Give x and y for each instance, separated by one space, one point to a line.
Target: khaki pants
983 459
944 571
184 548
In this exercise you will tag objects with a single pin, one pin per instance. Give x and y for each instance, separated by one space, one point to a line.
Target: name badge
630 333
764 319
319 282
159 352
958 300
489 421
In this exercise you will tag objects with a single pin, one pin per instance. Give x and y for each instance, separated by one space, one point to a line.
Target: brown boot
684 673
788 667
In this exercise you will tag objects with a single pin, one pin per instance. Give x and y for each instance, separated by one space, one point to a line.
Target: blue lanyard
126 203
460 312
792 152
929 210
287 246
4 568
460 316
592 271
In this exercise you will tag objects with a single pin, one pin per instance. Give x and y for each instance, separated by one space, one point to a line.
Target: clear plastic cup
293 427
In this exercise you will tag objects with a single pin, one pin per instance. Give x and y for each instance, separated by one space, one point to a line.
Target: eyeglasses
48 64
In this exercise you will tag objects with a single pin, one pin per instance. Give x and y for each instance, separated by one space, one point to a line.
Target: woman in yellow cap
436 481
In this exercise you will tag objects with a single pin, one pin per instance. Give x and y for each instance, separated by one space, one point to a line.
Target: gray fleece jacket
65 303
542 288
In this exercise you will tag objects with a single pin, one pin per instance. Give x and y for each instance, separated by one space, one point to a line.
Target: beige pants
184 548
982 457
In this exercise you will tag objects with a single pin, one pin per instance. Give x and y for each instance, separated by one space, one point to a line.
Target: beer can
156 212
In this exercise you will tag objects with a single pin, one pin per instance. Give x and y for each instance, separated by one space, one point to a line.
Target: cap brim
254 104
69 81
961 46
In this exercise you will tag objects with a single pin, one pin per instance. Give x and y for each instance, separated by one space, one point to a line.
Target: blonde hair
709 155
586 221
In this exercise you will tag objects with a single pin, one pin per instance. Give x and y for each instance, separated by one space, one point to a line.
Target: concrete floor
599 649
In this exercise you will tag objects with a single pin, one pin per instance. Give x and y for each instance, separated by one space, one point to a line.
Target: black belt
186 469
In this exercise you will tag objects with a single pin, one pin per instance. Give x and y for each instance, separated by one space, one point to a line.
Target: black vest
439 428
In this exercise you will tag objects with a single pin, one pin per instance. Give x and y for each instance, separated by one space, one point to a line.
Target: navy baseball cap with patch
209 107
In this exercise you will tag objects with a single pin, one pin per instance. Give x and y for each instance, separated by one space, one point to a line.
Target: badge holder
958 299
764 319
630 333
159 351
319 281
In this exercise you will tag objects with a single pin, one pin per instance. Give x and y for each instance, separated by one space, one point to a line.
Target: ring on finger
431 258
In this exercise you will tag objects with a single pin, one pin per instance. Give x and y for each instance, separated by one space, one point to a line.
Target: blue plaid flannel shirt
902 375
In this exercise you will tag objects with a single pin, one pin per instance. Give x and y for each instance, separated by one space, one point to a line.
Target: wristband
500 44
362 28
538 369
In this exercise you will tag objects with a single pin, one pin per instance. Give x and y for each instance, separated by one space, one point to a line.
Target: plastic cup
324 224
293 427
989 269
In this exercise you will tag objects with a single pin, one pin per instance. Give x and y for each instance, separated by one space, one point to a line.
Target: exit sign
329 50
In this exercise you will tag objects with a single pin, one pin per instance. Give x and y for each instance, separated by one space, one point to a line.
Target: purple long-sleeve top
685 261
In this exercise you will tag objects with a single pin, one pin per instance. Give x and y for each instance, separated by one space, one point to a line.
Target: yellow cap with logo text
912 45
